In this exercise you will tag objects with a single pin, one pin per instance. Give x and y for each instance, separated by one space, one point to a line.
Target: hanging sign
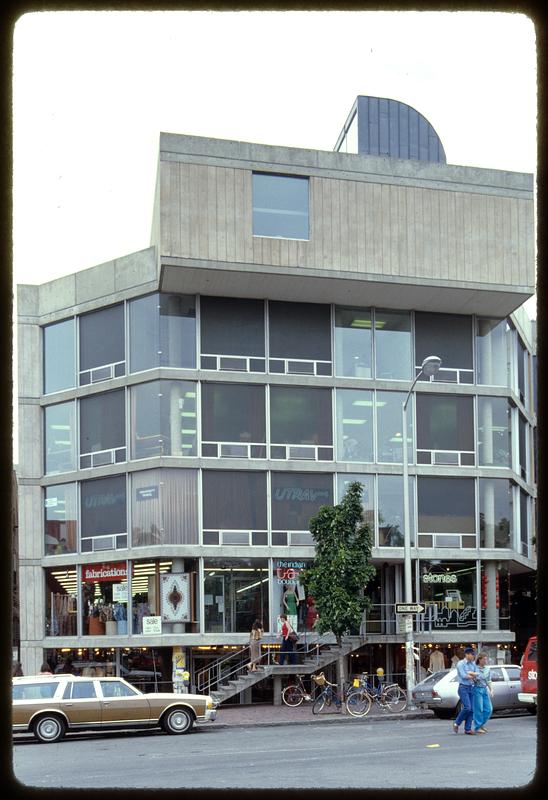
112 571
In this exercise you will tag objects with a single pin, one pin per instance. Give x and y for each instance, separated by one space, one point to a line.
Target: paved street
414 752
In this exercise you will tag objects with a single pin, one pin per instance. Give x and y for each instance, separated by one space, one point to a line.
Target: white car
440 690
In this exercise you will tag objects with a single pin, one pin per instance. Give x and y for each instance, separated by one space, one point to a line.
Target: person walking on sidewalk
287 647
482 694
466 675
255 645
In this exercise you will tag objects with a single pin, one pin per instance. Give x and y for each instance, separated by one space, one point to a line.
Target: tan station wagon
49 705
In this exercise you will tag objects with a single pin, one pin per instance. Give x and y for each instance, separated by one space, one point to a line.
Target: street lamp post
430 366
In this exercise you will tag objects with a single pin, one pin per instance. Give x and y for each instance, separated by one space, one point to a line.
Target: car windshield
432 679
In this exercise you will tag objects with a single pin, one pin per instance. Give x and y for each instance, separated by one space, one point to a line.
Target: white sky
93 90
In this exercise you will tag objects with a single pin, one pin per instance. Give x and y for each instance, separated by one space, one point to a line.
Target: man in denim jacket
466 675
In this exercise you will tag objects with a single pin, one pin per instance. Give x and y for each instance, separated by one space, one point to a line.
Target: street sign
409 608
404 623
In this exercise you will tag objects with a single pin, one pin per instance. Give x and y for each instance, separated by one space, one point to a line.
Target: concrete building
185 409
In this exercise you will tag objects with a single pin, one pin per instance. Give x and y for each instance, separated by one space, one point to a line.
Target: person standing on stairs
255 645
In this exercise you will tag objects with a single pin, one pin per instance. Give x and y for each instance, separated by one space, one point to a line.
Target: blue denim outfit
481 701
466 689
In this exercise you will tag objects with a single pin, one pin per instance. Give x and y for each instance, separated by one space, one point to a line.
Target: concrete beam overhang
299 284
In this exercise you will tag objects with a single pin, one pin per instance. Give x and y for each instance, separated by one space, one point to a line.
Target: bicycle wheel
293 696
394 698
319 704
358 703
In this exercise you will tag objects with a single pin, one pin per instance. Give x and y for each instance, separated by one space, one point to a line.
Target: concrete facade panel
135 269
29 369
30 439
57 294
30 522
89 280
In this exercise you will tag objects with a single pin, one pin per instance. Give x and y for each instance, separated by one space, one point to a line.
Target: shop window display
61 604
104 599
448 590
235 594
145 590
289 596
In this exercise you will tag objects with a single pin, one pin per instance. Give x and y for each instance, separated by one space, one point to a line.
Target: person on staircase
255 645
288 644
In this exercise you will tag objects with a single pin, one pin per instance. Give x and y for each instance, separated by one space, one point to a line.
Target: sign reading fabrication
409 608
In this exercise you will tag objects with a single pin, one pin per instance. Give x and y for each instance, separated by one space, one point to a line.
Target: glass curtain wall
390 511
300 333
295 498
145 590
494 432
103 513
59 356
233 328
368 497
393 345
301 416
60 438
164 507
234 505
445 429
233 413
447 512
162 331
448 589
102 344
103 429
496 512
163 419
450 336
60 524
389 413
353 342
493 352
61 603
354 425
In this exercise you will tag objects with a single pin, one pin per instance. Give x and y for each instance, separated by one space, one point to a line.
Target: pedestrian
45 669
288 644
482 694
255 644
466 675
17 671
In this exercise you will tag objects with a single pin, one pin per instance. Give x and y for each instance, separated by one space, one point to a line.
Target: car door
500 691
122 703
514 686
81 704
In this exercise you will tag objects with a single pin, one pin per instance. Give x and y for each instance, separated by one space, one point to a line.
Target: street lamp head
431 365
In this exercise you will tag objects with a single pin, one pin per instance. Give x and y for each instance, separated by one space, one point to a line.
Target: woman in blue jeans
466 675
482 694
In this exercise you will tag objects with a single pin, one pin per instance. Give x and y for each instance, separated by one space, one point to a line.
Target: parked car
528 676
49 706
439 691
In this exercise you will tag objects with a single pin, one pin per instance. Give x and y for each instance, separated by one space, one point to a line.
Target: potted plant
120 615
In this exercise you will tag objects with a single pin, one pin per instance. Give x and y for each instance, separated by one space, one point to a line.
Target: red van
528 676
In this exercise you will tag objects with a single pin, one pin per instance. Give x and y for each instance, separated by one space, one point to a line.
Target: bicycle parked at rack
296 693
389 697
329 694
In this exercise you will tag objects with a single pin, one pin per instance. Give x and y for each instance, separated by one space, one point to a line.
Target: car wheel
443 713
178 720
49 728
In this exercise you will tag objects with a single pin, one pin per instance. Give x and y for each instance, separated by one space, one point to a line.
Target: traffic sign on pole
409 608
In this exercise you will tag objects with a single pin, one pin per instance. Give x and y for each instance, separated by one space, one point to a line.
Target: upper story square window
280 206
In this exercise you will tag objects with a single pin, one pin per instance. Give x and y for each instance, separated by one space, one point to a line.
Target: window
102 345
102 429
523 373
354 425
445 429
393 358
389 427
450 336
83 690
522 450
235 594
368 496
164 507
233 501
103 513
300 416
104 598
60 435
493 352
524 522
162 331
296 497
289 595
34 691
117 689
145 600
280 206
353 342
391 512
233 413
448 589
494 432
60 519
300 338
163 419
496 512
232 334
59 356
60 605
513 673
446 506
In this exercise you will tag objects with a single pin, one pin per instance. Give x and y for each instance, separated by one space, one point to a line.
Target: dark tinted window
82 690
230 326
299 330
102 337
280 206
448 336
59 356
103 506
300 415
102 421
296 497
446 505
233 412
234 500
162 331
445 422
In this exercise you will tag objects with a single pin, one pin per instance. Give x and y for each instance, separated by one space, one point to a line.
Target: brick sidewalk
243 716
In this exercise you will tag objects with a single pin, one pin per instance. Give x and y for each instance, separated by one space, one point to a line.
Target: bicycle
390 697
295 693
328 694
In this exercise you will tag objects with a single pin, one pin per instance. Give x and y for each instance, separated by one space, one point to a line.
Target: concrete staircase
327 654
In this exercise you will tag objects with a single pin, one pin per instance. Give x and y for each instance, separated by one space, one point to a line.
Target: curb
312 720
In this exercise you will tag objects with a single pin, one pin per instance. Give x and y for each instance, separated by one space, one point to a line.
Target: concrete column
492 612
32 657
277 690
178 565
488 502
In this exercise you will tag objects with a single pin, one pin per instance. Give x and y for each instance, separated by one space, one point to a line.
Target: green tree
341 568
